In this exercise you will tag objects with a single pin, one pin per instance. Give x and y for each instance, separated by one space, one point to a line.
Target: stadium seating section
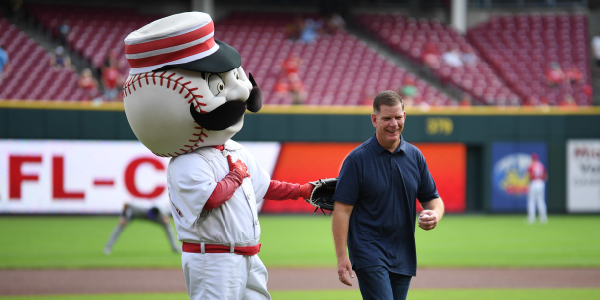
512 53
336 70
410 37
95 32
521 47
30 75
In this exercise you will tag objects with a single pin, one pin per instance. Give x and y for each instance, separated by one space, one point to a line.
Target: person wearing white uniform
537 188
186 96
159 213
192 179
214 203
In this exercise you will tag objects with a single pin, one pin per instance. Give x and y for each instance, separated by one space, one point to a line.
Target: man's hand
428 219
344 266
339 227
432 213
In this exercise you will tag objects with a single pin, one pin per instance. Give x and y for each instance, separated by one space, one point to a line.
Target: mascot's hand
238 167
306 190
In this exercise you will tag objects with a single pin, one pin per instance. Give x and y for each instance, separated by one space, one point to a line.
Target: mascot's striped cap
184 40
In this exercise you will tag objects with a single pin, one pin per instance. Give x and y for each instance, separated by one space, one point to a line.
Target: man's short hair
389 98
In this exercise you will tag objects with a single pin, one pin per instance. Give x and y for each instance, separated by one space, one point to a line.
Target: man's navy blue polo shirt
382 187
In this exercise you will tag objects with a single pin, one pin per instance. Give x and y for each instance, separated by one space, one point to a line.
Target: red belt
197 248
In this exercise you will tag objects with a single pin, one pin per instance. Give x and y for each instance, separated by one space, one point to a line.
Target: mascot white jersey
186 96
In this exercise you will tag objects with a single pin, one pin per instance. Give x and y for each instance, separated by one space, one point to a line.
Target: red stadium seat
547 33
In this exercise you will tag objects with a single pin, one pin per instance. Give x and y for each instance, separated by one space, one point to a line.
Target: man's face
389 122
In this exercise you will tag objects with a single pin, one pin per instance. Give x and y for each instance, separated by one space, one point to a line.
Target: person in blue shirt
375 207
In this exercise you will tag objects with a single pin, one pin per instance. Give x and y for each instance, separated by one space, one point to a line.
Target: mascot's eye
237 75
215 84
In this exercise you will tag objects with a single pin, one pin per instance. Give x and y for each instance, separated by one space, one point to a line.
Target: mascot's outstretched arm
278 190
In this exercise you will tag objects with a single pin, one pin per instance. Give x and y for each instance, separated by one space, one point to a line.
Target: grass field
45 242
303 241
445 294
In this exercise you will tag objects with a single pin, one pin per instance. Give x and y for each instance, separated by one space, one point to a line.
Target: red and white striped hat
184 40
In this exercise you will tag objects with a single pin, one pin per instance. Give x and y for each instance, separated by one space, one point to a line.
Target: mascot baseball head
185 89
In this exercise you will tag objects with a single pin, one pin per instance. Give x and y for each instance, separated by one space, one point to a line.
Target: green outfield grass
77 242
458 241
446 294
304 241
508 241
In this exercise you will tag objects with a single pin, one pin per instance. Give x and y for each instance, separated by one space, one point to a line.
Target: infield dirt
45 282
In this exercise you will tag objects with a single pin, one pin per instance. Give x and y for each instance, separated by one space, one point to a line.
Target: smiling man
375 208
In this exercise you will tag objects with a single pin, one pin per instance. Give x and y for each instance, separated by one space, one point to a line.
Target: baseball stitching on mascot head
185 89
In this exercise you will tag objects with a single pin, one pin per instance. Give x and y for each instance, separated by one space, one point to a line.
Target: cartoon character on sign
185 97
510 174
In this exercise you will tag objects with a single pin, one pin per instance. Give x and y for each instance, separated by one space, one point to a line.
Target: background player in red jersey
537 187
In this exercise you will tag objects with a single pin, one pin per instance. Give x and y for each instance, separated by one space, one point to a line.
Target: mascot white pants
224 276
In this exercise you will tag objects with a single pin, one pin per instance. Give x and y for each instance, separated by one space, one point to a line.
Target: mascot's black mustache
230 112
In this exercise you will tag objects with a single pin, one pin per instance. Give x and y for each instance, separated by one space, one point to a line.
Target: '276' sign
439 126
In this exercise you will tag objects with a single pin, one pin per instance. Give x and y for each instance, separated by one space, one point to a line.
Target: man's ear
374 119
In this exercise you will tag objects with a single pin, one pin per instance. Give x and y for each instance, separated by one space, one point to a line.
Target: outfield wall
479 130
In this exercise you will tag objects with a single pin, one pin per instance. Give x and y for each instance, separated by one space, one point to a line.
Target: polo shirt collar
379 149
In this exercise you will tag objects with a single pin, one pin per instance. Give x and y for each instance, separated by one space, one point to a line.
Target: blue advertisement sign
510 181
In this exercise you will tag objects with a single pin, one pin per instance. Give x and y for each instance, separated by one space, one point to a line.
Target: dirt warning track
45 282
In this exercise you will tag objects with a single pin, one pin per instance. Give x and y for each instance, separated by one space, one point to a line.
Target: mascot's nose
239 92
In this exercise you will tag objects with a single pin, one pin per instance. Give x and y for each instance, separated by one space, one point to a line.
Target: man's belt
208 248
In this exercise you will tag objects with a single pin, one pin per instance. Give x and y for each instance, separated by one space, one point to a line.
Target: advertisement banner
510 181
448 166
97 177
583 176
304 162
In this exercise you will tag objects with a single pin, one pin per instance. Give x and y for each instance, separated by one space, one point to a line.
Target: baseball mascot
185 97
